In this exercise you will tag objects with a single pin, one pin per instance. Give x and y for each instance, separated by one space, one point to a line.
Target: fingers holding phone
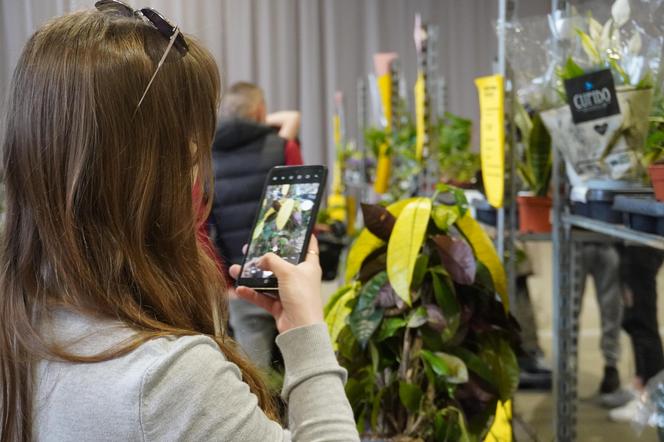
300 302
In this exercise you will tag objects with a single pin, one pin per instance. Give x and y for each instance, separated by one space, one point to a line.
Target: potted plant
458 165
535 172
654 150
429 347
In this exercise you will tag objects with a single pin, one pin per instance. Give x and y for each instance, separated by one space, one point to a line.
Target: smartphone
283 224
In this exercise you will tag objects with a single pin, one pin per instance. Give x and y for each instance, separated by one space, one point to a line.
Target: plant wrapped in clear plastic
650 411
626 40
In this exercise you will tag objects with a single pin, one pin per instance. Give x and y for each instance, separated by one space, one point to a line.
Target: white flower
620 12
605 38
634 45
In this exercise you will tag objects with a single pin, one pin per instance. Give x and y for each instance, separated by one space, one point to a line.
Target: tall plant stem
405 355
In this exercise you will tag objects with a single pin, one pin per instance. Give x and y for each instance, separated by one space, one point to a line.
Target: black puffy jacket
242 154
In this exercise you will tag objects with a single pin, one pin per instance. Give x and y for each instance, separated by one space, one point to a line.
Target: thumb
274 264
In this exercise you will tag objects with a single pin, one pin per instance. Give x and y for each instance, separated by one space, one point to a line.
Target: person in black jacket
247 144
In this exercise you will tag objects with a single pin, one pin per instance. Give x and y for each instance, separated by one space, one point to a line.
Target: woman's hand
299 301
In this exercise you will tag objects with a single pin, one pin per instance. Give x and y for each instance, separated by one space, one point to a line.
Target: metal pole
565 297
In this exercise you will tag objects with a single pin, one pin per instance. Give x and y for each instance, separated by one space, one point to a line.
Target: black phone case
272 286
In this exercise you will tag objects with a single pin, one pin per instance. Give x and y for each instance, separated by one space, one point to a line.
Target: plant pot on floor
534 214
656 172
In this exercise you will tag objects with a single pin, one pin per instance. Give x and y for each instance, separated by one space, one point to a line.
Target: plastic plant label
492 136
592 96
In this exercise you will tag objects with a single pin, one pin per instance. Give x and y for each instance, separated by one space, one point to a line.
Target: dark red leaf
435 317
387 297
378 220
457 258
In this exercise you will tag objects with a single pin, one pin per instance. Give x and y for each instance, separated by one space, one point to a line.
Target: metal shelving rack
569 234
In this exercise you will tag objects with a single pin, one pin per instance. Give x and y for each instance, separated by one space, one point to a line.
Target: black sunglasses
149 15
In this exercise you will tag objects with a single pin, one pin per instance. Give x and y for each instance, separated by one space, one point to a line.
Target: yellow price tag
492 136
420 123
501 429
384 164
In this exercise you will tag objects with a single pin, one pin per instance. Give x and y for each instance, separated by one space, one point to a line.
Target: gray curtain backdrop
302 51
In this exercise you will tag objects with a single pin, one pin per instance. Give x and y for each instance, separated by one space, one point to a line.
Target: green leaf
437 364
571 70
285 211
375 357
365 318
476 365
367 242
500 358
334 298
539 156
405 244
486 253
410 396
420 270
337 312
389 327
456 427
444 216
417 318
376 408
448 303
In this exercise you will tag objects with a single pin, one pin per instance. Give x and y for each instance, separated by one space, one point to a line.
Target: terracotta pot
534 214
656 172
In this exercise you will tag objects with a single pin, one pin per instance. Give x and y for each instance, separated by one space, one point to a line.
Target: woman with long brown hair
111 314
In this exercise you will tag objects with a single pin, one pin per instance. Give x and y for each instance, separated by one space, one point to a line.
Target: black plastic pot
487 214
599 206
330 248
644 214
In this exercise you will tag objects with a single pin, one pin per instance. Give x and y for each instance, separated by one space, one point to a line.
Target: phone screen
284 221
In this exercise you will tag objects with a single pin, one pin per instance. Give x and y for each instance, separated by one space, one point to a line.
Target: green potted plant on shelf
534 169
428 345
654 148
458 165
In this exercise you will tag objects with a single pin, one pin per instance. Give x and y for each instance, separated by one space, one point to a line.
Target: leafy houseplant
428 346
654 150
457 163
400 144
535 171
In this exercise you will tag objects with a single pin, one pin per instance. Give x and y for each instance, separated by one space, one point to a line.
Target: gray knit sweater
182 389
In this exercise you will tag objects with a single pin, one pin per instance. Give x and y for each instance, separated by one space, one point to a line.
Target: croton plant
422 325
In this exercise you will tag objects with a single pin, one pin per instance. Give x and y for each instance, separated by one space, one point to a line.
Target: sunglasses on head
155 19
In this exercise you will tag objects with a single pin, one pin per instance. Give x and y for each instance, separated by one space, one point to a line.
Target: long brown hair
99 199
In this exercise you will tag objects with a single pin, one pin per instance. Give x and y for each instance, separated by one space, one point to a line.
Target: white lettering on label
592 99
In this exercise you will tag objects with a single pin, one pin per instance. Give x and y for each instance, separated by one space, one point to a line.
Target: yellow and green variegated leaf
444 216
405 244
485 253
336 311
258 229
367 242
285 211
268 213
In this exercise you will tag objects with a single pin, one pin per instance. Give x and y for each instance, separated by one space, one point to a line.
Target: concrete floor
535 410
